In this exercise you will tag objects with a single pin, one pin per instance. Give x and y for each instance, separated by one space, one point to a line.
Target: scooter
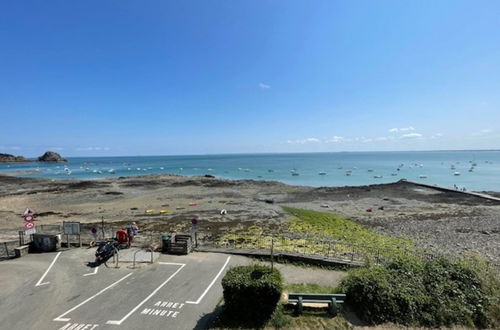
105 251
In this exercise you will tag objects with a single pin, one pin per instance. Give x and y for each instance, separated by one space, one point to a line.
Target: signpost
72 228
194 229
29 224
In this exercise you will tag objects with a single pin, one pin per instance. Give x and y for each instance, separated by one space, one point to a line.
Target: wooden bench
317 298
21 251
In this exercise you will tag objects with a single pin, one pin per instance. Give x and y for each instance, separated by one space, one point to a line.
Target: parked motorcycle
105 251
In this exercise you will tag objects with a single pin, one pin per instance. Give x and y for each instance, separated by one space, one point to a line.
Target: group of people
127 235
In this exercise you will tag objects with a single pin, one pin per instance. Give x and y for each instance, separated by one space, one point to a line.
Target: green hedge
251 293
431 293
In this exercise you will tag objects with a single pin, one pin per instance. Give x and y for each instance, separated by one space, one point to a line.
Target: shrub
251 293
412 291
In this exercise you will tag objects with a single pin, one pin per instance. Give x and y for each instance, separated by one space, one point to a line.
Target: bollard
148 249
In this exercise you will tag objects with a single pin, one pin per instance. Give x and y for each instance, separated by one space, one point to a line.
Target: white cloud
264 86
337 139
437 135
411 136
402 129
92 148
485 131
304 141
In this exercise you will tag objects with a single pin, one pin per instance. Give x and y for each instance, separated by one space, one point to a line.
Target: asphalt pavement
62 291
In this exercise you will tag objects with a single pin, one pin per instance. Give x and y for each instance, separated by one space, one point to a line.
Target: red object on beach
122 236
193 204
369 209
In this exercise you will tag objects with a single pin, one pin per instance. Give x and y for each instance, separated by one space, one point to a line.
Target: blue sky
195 77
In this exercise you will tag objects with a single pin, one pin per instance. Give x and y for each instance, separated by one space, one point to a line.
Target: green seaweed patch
345 230
325 234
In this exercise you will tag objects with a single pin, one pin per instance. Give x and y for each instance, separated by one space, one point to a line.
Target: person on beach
132 230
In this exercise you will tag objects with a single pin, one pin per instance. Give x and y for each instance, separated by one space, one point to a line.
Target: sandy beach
447 222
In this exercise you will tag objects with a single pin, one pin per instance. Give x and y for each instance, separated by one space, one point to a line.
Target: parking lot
61 291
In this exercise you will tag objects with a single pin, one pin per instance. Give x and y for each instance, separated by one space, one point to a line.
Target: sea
472 170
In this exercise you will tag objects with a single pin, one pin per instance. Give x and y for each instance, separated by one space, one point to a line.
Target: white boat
111 171
377 176
456 173
322 173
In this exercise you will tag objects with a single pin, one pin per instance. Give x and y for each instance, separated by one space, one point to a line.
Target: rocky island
51 156
7 158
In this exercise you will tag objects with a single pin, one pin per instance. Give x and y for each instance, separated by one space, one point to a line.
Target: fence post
272 254
102 227
21 238
6 249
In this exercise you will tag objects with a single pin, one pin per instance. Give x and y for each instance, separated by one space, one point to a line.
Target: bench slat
315 296
315 301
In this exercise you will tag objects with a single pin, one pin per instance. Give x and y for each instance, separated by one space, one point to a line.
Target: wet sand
446 221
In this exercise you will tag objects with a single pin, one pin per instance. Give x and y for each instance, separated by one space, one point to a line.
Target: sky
110 78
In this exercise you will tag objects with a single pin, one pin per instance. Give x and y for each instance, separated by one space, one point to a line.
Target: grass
312 232
284 318
309 288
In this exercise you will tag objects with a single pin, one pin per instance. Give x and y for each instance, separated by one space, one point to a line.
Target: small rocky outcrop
51 156
7 158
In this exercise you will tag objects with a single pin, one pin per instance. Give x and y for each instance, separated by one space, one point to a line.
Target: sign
30 231
71 228
28 218
28 211
29 225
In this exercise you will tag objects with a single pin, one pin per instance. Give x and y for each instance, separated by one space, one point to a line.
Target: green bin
166 242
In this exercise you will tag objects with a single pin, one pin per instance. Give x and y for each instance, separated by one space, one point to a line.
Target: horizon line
283 153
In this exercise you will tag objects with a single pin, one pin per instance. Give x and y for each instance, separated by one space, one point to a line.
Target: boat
295 174
377 176
394 174
422 176
270 171
370 170
111 171
322 173
456 173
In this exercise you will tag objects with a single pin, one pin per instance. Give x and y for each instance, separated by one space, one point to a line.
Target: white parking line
59 318
39 283
95 272
118 322
212 283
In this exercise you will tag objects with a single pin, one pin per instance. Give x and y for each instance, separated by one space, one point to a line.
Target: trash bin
166 242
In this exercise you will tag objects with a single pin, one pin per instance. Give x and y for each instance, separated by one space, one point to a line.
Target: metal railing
148 249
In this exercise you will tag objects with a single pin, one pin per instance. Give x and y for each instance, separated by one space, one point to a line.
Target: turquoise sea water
436 167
